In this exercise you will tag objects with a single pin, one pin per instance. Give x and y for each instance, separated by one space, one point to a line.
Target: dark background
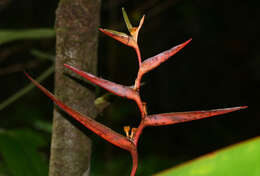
218 69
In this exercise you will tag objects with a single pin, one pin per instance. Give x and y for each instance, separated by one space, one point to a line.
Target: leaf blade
19 152
239 159
127 21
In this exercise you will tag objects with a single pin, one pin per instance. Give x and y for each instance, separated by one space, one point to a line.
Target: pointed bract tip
239 107
188 41
142 19
27 75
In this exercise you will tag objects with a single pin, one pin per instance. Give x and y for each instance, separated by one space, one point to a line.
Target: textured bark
76 28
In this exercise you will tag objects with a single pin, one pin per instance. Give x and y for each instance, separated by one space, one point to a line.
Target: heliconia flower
98 128
134 31
155 61
130 141
118 89
179 117
131 40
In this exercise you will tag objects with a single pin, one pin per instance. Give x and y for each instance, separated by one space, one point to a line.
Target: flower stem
139 131
134 155
137 50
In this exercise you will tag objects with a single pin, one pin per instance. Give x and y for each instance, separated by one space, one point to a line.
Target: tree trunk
76 26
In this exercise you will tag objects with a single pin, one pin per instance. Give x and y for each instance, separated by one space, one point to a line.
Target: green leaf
26 89
42 55
18 149
238 160
103 100
3 170
43 125
12 35
127 22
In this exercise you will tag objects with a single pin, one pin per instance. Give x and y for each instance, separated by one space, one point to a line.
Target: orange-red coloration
134 155
155 61
98 128
179 117
118 89
125 39
121 37
135 31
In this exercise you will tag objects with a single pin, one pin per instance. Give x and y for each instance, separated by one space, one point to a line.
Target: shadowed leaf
103 102
26 89
12 35
179 117
19 152
101 130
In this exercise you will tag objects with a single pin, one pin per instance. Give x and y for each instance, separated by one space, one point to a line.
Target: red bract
101 130
130 142
179 117
121 37
155 61
117 89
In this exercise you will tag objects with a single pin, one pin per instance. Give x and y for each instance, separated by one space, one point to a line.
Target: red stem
137 50
138 80
139 131
140 106
134 155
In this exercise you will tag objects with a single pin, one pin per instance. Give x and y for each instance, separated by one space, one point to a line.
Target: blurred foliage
240 159
19 148
19 151
26 89
12 35
219 69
